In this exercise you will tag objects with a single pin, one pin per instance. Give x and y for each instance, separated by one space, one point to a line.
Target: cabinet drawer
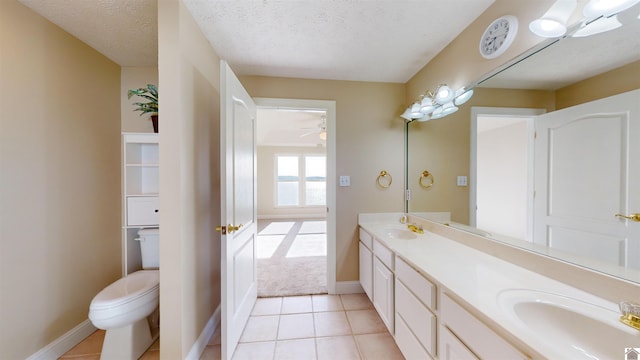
451 348
416 316
366 238
478 337
385 255
407 342
142 210
419 285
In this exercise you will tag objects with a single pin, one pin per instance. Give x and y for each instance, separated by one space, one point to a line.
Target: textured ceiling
125 31
387 41
366 40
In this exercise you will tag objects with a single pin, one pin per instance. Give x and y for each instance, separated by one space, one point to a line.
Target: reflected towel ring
383 175
426 175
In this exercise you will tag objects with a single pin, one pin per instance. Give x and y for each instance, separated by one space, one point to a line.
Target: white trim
349 287
322 215
477 111
64 343
330 107
209 329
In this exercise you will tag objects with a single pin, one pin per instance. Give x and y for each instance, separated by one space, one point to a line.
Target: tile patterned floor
314 327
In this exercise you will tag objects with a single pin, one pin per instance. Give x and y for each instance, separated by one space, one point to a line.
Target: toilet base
127 342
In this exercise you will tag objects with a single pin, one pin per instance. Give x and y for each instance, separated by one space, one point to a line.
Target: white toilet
123 308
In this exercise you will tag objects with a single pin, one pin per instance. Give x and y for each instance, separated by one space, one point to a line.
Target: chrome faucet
630 314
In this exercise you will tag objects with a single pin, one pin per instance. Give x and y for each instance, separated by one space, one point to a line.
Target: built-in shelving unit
140 193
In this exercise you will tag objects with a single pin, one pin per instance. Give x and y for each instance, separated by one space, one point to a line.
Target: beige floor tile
338 347
331 323
216 337
365 322
151 355
326 303
296 304
356 302
155 345
211 352
302 349
296 326
91 345
267 306
255 351
378 346
80 357
260 328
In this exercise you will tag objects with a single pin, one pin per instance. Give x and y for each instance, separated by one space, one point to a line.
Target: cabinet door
366 270
452 349
142 210
383 293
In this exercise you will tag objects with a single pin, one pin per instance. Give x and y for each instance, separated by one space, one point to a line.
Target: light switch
345 180
462 181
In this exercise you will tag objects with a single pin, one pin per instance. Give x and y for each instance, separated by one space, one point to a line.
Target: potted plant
149 93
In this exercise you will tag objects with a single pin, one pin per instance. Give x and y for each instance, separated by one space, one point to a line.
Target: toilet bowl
123 308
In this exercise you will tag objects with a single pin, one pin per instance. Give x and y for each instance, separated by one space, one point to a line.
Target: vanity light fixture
462 96
596 8
436 105
553 23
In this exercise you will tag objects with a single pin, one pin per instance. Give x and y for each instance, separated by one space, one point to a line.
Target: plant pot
154 121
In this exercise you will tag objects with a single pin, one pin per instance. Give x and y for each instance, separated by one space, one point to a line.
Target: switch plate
462 181
345 180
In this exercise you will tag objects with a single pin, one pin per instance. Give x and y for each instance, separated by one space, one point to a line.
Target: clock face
498 36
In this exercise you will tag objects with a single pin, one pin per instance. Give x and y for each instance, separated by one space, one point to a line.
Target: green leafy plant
149 93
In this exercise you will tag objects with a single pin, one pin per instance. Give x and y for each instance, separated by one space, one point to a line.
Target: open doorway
501 193
294 247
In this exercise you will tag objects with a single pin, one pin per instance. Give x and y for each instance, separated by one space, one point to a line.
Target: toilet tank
150 248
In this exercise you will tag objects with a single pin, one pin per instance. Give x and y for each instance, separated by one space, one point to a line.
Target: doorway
501 184
296 195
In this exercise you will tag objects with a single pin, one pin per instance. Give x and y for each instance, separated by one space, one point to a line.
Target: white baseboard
348 287
64 343
198 347
322 215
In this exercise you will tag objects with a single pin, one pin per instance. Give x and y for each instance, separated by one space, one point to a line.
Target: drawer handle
156 210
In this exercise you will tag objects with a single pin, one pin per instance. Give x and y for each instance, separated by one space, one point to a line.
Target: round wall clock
498 36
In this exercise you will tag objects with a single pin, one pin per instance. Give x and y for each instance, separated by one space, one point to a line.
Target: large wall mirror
461 150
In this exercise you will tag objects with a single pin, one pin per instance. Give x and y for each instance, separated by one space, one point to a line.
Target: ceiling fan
320 129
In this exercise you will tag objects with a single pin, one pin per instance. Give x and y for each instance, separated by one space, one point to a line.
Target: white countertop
475 277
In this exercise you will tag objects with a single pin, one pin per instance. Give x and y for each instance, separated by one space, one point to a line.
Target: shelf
142 165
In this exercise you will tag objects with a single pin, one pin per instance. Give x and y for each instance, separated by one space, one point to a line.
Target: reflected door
587 169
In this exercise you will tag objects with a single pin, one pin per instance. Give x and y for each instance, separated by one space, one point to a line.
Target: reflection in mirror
570 213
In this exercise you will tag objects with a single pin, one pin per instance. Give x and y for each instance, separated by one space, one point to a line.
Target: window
301 180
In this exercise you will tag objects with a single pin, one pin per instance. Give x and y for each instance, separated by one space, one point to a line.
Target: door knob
232 228
228 229
633 217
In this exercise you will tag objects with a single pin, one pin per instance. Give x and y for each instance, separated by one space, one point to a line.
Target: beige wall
133 78
369 139
617 81
267 184
59 180
460 63
189 179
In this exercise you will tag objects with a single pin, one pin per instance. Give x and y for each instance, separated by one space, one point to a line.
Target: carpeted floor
292 257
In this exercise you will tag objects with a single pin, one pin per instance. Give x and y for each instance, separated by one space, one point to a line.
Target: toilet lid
135 285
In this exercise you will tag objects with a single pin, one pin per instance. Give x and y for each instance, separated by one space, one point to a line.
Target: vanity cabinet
365 247
415 309
463 336
376 276
140 181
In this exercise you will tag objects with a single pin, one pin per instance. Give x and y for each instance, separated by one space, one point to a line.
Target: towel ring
384 174
426 175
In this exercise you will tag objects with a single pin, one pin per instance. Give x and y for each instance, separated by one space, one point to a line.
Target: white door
587 170
238 207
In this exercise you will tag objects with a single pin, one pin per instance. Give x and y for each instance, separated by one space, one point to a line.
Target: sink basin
401 234
571 328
